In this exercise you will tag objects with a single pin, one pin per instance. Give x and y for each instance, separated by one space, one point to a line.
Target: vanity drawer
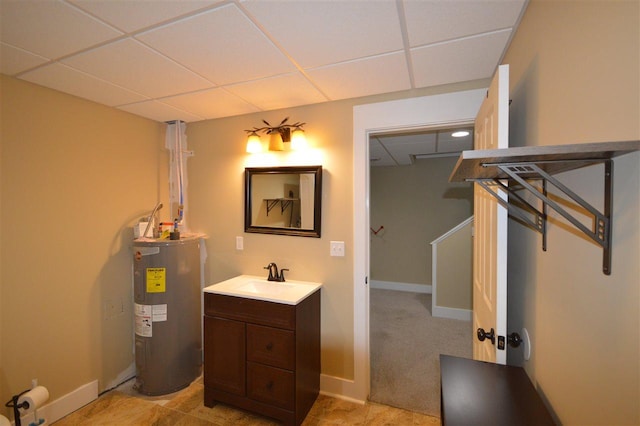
250 310
271 346
271 385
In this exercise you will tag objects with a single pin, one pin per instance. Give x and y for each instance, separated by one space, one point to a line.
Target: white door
490 241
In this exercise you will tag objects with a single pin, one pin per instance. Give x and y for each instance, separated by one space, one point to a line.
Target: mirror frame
249 172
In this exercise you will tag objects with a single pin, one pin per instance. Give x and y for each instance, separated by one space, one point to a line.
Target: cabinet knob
270 384
269 346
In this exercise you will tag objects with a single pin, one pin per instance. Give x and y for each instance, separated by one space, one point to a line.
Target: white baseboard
390 285
339 388
65 405
125 375
451 313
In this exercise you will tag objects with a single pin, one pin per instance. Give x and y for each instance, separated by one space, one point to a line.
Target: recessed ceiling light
460 134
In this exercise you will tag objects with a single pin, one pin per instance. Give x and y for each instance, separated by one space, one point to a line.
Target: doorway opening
412 204
400 115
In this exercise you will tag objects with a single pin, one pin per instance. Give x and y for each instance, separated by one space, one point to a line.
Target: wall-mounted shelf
284 203
515 169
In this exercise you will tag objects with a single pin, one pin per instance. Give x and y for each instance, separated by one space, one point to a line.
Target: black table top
483 393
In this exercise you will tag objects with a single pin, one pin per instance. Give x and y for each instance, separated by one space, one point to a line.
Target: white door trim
414 113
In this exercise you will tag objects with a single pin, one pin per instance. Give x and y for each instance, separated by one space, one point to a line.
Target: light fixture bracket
283 128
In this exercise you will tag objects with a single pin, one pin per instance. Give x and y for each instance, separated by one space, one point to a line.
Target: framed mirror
283 200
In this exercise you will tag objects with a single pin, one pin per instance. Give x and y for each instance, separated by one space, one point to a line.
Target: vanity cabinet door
225 359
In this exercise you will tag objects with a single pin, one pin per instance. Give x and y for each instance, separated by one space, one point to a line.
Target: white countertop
290 292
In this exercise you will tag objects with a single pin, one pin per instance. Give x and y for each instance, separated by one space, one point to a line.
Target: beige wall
575 78
75 177
416 204
455 270
217 209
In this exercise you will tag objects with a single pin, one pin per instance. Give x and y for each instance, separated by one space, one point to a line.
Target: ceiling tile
408 138
378 156
129 64
221 45
445 136
278 92
61 77
403 152
358 78
460 18
213 103
51 28
450 62
214 58
447 143
159 111
14 60
132 15
320 32
455 145
402 146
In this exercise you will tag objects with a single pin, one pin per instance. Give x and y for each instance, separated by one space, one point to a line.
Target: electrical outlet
34 383
239 243
337 248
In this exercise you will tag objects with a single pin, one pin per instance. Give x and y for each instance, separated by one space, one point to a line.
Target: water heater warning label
146 315
144 326
156 280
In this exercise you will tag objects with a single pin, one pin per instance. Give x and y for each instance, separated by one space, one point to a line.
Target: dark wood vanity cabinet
262 356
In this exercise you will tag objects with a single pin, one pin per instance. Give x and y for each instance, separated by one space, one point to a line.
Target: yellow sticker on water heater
156 280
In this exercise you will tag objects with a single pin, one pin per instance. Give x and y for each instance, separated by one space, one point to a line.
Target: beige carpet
406 342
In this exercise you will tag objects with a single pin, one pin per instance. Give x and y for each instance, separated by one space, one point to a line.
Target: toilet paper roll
35 398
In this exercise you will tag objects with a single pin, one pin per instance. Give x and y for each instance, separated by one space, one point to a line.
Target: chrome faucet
274 275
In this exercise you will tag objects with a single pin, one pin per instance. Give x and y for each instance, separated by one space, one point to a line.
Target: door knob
514 340
491 335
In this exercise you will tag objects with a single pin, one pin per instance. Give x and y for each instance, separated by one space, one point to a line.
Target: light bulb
254 144
298 139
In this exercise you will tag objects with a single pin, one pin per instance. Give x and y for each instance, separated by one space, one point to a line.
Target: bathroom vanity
262 346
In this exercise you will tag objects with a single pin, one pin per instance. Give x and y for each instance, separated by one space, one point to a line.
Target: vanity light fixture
278 135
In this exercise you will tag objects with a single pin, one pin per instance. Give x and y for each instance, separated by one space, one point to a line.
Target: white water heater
167 295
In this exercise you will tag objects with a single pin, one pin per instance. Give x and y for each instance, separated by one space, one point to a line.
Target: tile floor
124 406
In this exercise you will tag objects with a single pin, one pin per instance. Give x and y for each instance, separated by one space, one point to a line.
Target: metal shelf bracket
520 209
284 203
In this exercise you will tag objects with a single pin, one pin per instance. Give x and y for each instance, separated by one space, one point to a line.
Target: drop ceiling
404 148
193 60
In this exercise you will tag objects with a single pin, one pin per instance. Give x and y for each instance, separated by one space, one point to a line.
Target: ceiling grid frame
359 64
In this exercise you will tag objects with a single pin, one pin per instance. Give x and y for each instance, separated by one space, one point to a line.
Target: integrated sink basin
290 292
266 288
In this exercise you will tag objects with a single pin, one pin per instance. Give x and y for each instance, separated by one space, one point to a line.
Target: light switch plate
239 243
337 248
